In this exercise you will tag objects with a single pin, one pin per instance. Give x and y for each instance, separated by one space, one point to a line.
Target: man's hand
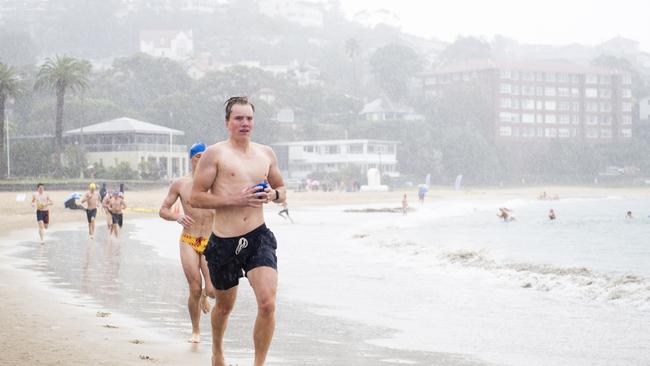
185 220
252 197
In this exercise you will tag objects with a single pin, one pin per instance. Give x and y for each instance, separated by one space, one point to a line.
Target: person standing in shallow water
41 201
230 178
197 227
405 205
551 214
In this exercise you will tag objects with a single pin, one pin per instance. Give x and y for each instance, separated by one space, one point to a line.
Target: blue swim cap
199 147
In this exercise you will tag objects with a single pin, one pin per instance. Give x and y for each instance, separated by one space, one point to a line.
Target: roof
125 124
550 66
333 142
380 105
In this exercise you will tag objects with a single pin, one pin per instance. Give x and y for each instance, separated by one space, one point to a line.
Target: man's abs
234 222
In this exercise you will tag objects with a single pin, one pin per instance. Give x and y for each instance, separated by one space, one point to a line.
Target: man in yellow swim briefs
197 228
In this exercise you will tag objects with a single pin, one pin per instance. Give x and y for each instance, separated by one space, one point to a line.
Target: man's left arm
277 193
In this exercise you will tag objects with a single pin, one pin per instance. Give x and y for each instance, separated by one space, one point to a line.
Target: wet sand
50 297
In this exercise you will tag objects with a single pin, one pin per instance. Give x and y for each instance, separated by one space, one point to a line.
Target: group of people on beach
224 236
112 204
506 214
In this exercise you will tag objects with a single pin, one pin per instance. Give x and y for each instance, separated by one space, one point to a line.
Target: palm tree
60 74
9 88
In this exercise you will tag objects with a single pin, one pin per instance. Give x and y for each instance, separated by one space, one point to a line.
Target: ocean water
359 288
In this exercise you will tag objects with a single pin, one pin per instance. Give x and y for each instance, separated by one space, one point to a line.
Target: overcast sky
545 21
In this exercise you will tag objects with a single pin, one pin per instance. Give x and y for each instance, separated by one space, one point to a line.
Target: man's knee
224 308
195 289
266 306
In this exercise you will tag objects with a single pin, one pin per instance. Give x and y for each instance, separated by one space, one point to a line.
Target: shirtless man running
236 177
92 197
41 201
115 205
197 226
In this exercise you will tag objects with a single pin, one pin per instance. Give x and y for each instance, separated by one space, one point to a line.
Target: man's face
195 159
240 124
40 189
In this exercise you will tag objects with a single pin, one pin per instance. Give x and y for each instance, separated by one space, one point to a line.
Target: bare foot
218 360
205 304
195 338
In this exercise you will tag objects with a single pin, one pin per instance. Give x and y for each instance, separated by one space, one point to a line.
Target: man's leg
220 312
191 262
209 290
41 231
264 281
92 227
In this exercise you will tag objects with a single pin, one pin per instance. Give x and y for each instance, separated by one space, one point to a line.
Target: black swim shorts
117 218
90 214
43 215
229 258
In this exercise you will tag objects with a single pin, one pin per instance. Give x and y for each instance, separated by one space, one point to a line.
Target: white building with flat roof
300 158
129 140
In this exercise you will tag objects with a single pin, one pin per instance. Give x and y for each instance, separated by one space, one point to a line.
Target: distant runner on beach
41 200
405 204
115 205
93 199
236 177
284 213
197 227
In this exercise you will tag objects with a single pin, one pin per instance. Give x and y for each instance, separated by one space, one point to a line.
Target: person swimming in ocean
505 214
628 215
551 214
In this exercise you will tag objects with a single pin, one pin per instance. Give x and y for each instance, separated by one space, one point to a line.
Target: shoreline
49 325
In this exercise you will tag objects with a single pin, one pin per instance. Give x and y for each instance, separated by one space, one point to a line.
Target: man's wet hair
236 100
39 185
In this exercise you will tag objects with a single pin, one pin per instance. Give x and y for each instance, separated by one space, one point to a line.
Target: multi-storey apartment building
545 101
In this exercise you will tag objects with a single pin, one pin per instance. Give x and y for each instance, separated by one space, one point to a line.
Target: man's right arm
206 173
166 207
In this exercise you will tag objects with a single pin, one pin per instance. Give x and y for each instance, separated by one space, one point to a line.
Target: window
308 148
563 77
564 106
626 107
626 132
506 89
504 73
332 149
505 131
575 92
605 79
591 79
528 118
626 119
627 93
591 93
550 76
549 91
605 93
605 107
591 107
550 132
355 148
527 104
527 90
509 117
591 119
564 119
506 102
549 105
606 133
527 76
575 120
564 133
539 104
550 118
575 79
563 92
539 91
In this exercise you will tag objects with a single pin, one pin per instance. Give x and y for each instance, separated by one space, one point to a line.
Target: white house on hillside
382 110
173 44
298 159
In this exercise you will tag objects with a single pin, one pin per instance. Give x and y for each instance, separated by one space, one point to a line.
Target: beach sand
45 325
